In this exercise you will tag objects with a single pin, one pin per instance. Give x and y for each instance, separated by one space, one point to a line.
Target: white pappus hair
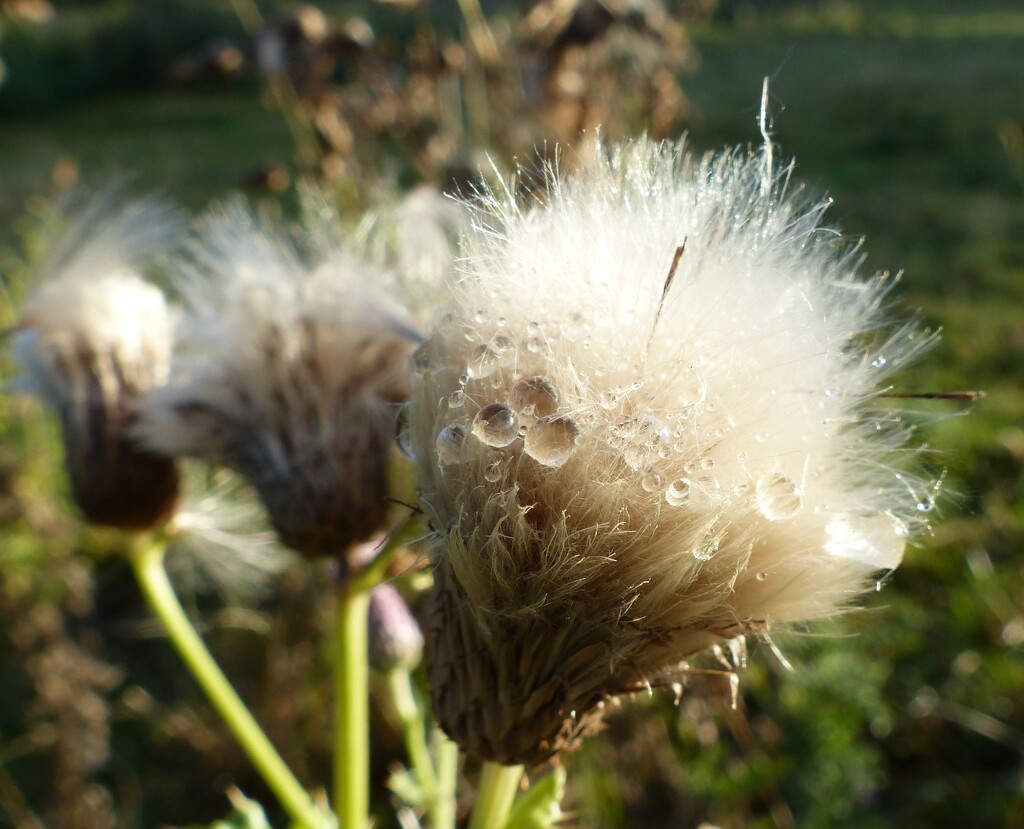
643 425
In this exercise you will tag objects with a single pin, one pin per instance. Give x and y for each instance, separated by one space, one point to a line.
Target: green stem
413 728
352 708
498 787
446 765
352 683
147 562
373 573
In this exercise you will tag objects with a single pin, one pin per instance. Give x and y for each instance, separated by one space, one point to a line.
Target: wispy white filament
221 537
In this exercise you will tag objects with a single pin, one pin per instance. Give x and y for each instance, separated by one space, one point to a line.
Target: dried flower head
93 339
290 375
643 426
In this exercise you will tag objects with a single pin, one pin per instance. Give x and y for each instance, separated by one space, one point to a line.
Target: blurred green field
908 714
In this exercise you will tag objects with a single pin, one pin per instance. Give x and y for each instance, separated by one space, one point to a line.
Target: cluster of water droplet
541 391
506 399
502 403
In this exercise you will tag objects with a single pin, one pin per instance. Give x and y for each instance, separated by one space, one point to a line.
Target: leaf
539 806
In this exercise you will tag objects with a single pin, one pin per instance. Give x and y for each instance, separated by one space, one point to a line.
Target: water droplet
493 472
502 343
707 463
457 399
533 329
496 425
875 540
926 505
692 387
483 362
762 576
678 492
609 399
535 345
651 482
450 445
402 433
536 392
551 440
778 497
707 550
482 316
463 379
879 361
502 322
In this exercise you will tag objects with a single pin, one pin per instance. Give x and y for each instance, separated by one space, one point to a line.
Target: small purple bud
396 640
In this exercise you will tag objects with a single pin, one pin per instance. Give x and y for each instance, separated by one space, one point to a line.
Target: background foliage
909 713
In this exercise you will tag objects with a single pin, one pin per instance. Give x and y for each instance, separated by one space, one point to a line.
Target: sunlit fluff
220 538
413 240
288 372
643 425
92 340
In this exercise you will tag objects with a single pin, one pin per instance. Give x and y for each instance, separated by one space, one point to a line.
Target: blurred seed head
93 339
396 641
288 372
643 424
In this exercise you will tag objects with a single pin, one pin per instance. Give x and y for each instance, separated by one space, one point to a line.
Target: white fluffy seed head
290 373
93 339
643 424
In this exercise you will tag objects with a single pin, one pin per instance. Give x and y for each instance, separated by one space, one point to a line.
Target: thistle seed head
643 424
92 340
289 373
